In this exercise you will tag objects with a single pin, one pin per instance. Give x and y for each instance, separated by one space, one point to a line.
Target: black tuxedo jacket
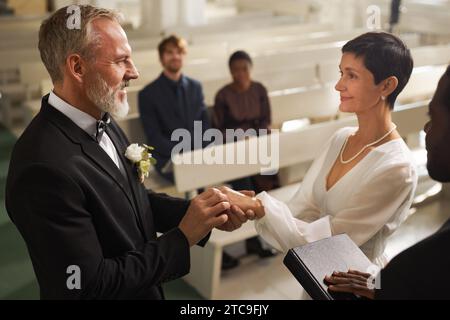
74 207
420 272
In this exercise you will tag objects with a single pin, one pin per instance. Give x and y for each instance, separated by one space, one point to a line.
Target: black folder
312 262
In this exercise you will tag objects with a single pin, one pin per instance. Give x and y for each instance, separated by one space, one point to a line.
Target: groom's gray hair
57 41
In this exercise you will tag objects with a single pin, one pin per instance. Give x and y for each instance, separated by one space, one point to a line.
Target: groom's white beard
106 99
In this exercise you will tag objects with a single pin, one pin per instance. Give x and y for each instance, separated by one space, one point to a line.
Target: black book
312 262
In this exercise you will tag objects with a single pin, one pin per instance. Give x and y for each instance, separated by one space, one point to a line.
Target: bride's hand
246 201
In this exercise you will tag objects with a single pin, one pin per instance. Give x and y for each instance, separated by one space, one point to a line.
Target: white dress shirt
88 124
368 203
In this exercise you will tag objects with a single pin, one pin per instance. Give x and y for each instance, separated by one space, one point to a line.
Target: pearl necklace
364 148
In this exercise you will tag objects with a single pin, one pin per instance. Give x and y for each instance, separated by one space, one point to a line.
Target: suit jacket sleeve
169 212
419 272
204 109
152 127
266 112
219 112
62 233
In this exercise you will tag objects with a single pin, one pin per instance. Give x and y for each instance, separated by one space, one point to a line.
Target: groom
89 224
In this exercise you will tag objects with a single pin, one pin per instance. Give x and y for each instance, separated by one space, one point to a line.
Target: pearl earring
383 98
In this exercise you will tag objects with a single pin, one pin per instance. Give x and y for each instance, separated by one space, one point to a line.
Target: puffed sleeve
388 192
300 209
220 106
266 111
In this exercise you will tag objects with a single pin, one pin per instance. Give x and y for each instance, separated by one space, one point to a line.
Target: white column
150 20
192 12
156 15
170 12
341 14
63 3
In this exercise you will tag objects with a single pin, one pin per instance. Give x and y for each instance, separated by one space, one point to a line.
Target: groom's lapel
130 169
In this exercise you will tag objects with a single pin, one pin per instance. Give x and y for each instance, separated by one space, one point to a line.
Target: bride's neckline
364 148
371 152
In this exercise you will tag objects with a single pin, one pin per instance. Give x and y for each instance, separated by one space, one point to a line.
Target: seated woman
244 104
363 181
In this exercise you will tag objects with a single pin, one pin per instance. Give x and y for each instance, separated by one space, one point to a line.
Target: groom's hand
236 218
207 211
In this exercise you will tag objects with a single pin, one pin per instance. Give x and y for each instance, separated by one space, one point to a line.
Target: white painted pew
18 40
208 62
33 73
304 102
13 23
288 7
328 71
141 41
266 63
11 58
286 59
307 102
295 41
432 17
247 25
260 33
322 101
194 53
270 60
32 76
301 49
431 55
423 82
301 76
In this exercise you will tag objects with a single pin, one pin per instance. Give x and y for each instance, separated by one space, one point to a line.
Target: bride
363 181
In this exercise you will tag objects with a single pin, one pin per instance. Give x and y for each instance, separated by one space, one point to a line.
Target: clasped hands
221 208
243 207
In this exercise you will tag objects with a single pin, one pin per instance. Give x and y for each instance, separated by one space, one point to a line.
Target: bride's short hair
384 55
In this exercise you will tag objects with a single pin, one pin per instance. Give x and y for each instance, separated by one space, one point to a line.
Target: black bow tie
101 126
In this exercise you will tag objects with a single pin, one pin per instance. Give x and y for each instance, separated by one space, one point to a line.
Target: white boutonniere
141 156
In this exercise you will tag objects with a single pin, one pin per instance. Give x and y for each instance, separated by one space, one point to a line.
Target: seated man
173 101
420 271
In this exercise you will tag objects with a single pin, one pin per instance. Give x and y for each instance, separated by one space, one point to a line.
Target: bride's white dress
368 203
